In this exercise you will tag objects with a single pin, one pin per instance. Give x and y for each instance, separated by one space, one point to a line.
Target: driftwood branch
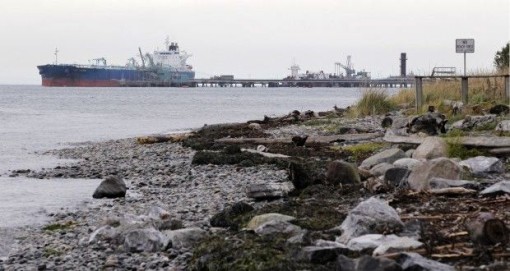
267 154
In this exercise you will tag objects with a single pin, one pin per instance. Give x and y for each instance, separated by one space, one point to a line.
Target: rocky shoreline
195 202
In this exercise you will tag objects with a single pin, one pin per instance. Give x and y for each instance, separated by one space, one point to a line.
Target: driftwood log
474 141
311 139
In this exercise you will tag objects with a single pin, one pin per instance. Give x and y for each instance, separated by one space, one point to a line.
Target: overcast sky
257 39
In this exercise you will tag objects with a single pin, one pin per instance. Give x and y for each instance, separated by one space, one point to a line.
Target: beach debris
111 187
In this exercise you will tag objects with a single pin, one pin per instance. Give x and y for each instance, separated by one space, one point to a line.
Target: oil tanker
165 68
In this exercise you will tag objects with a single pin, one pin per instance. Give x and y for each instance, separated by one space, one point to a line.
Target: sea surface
34 119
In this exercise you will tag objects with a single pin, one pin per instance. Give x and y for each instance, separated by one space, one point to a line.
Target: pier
332 82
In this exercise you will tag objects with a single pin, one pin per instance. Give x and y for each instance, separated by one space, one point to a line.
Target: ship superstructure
161 68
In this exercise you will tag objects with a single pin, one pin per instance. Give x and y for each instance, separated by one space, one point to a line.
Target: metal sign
465 45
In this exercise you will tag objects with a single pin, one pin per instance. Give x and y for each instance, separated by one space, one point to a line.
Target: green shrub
374 102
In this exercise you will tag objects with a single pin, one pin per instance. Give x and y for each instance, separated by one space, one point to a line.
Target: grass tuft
374 102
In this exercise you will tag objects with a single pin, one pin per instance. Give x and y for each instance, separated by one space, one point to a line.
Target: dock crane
349 70
141 56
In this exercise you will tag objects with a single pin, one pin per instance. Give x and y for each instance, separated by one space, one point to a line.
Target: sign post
465 46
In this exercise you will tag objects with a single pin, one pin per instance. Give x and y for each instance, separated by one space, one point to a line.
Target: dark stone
396 176
111 187
319 255
500 109
431 109
387 122
299 176
225 218
340 172
299 140
430 123
309 114
344 263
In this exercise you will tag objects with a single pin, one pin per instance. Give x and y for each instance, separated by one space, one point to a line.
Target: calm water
34 119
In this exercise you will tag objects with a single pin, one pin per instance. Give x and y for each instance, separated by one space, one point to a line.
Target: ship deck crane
349 70
141 56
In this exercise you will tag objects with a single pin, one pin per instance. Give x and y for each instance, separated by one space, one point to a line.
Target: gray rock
184 238
254 126
259 220
396 176
414 261
440 167
273 227
144 240
370 216
499 188
105 233
437 183
471 122
340 172
409 153
387 156
380 169
408 163
366 263
482 165
264 191
432 147
503 126
111 187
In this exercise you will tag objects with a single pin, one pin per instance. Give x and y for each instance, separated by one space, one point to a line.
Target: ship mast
56 56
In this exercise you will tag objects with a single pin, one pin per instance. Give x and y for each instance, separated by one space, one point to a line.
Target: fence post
464 90
419 92
507 89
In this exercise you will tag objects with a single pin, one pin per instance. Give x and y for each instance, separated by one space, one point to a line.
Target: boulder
472 122
257 221
144 240
275 227
414 261
408 163
387 156
111 187
431 123
185 238
432 147
380 169
225 218
265 191
105 233
503 126
370 216
499 188
500 109
419 178
482 165
340 172
396 176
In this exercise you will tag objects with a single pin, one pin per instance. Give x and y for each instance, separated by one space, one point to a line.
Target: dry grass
482 91
373 102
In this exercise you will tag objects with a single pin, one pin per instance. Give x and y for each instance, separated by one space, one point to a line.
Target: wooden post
419 92
464 89
507 89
